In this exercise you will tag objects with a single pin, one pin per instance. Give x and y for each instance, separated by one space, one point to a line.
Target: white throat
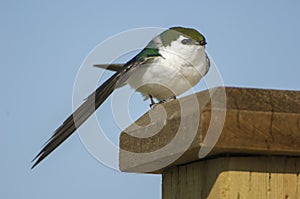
185 55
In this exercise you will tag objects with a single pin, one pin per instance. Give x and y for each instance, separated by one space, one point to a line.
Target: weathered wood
265 122
234 178
256 156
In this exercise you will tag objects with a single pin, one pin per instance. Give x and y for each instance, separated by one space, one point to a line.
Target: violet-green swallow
171 63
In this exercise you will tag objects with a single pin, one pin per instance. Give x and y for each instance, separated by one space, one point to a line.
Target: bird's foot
153 104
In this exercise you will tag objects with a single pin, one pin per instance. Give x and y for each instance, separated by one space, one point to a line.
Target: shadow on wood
234 177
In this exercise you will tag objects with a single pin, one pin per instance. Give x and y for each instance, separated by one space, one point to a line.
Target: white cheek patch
181 51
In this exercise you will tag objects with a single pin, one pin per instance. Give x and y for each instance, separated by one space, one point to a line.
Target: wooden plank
256 156
290 179
234 177
197 172
166 184
240 178
264 122
296 165
216 179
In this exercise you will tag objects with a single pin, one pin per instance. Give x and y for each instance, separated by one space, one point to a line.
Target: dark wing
85 110
88 107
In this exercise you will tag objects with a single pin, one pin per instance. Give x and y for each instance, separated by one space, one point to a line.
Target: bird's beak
202 43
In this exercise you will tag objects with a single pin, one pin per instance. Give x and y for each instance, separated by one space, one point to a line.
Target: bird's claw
153 105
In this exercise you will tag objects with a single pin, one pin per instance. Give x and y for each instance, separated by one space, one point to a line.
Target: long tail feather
78 117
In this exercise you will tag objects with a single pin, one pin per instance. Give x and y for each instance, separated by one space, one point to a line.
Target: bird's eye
185 41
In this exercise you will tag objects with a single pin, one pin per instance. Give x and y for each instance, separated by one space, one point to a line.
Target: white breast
179 69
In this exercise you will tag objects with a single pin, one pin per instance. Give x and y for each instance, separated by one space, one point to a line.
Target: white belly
168 76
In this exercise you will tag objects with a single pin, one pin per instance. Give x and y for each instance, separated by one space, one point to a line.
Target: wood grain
257 122
234 178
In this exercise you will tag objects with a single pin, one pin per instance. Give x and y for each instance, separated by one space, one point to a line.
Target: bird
171 63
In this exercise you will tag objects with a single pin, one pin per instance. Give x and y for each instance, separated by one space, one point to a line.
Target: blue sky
43 43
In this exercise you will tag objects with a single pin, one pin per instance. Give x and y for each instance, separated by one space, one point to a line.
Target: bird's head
186 42
186 36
